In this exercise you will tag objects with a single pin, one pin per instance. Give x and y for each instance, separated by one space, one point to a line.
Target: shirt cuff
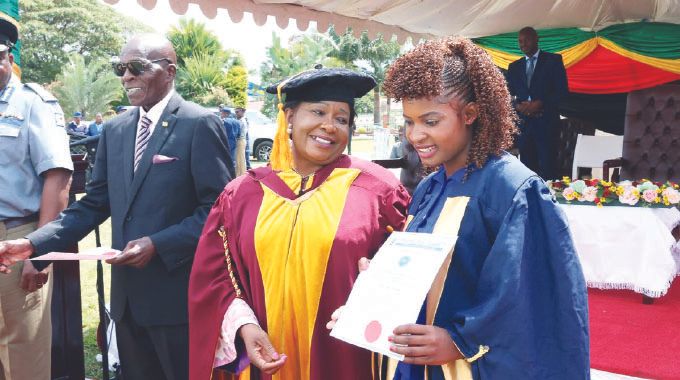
237 315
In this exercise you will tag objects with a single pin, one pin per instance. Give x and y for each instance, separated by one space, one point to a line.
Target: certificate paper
100 253
392 291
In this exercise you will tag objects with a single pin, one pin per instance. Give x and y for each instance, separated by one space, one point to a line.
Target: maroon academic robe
293 258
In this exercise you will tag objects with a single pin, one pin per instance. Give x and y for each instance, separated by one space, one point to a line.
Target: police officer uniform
32 141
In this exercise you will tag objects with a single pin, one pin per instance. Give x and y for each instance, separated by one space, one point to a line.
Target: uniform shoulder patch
41 92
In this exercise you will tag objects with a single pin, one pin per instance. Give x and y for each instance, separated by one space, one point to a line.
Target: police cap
9 34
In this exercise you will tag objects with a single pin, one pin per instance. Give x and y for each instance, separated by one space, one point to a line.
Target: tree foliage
236 85
53 29
304 52
214 98
199 75
86 87
375 55
331 50
364 104
207 73
192 39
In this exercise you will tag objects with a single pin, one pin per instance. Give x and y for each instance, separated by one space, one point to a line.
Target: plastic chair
592 151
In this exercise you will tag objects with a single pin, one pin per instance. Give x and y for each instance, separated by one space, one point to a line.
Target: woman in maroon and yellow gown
280 247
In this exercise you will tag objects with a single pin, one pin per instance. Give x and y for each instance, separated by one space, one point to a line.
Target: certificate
100 253
392 290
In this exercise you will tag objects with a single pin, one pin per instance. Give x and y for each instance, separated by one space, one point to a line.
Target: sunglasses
135 66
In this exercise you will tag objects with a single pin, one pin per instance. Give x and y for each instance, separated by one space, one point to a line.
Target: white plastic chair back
592 151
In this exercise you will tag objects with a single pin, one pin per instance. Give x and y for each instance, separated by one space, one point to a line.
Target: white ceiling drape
428 18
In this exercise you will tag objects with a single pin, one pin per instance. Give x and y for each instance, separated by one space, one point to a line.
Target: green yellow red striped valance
9 10
619 58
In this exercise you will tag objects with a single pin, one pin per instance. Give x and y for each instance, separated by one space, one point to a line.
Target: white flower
672 195
630 196
589 194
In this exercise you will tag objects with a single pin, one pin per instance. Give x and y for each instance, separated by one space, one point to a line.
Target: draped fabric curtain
9 10
619 58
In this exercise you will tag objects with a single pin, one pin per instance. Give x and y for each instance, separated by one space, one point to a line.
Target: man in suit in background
537 83
159 168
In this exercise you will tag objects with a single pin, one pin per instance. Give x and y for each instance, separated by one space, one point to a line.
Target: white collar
154 113
535 55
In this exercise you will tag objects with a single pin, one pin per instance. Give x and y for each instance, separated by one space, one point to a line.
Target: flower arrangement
643 193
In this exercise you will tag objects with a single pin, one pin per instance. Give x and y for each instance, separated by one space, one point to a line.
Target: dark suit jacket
548 83
168 202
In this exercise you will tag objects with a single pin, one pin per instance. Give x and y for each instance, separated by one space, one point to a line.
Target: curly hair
457 68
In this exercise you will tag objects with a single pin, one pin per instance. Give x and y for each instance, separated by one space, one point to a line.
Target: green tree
236 85
86 87
376 54
53 29
304 52
364 104
379 54
199 75
215 97
207 73
347 48
191 38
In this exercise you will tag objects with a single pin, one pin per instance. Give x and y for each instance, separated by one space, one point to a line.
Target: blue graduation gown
514 283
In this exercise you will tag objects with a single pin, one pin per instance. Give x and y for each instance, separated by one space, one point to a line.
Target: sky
248 38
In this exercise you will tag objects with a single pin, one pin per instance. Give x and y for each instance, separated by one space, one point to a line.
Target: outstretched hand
260 350
137 253
13 251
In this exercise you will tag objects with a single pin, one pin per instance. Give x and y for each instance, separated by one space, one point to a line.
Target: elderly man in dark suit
159 168
537 82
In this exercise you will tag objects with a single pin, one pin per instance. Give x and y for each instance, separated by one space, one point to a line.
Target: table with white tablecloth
623 247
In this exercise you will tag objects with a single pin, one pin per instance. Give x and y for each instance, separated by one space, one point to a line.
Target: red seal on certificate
372 332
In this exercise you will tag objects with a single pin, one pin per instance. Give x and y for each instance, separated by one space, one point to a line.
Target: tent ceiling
427 18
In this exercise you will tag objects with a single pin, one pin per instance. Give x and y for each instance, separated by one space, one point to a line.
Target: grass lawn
88 294
88 281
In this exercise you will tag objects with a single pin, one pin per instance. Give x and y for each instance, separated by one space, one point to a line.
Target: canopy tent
610 47
428 18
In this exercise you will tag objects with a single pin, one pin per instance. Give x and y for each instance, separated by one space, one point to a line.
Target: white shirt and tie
530 67
146 125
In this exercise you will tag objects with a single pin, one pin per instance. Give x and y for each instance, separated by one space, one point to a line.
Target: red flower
606 192
557 185
597 200
591 182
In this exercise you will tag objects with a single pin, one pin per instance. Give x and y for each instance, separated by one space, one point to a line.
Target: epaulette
41 92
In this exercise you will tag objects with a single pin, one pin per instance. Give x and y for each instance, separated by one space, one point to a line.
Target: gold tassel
281 156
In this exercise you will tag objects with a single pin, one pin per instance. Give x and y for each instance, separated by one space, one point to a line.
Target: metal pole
103 318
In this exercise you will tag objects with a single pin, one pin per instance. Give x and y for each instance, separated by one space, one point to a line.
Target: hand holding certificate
100 253
391 291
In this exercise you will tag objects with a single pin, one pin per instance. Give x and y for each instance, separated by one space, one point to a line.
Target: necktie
530 69
143 135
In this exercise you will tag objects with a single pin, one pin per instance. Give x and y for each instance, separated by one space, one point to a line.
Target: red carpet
630 338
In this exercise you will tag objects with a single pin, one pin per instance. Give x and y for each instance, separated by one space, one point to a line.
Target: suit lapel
161 131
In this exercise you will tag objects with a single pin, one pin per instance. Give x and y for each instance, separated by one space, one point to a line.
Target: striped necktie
143 136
